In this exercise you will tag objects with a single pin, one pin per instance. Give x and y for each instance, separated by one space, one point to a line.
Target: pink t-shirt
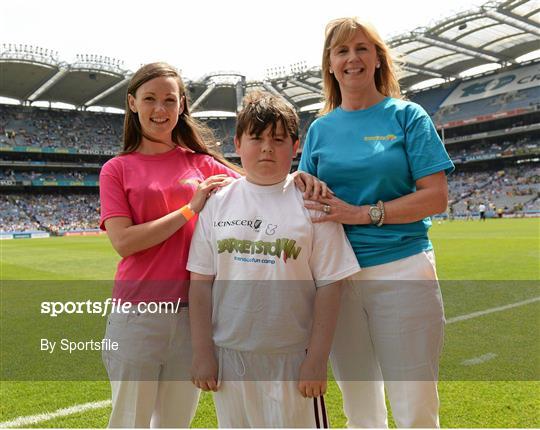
145 188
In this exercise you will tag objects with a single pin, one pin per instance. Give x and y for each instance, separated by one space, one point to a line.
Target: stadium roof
497 32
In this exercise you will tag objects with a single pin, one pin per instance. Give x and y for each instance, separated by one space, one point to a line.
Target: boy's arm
312 380
204 367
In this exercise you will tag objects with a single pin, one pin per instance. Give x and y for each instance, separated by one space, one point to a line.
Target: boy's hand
312 380
204 371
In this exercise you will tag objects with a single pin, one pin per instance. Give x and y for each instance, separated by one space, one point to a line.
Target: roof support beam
59 75
268 86
202 97
240 93
107 92
513 20
422 70
452 45
305 86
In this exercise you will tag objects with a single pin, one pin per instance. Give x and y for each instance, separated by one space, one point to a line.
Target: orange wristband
187 212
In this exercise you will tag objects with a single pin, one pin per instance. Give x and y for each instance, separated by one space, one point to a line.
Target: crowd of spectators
12 175
89 131
14 218
54 213
514 190
490 150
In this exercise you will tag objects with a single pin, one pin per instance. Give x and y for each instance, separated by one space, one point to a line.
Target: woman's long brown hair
188 132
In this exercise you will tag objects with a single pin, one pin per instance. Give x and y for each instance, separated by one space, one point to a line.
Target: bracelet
187 212
380 205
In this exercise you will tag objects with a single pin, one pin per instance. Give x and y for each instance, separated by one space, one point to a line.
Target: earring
331 71
378 66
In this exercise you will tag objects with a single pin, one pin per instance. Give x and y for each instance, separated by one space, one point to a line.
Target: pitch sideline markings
26 421
34 419
492 310
479 360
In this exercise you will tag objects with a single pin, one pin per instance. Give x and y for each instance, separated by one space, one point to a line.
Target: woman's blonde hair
341 30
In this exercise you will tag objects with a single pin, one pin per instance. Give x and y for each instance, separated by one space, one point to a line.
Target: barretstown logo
388 137
287 247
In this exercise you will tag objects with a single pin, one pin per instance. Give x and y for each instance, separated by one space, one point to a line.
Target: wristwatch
376 213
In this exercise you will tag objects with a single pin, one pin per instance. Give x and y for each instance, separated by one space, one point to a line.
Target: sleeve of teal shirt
425 151
307 162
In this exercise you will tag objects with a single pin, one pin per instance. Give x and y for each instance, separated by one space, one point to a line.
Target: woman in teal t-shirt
384 161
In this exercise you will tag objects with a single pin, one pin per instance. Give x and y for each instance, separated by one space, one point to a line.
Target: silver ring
327 209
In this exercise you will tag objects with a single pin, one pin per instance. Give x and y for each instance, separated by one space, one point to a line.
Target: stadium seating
35 144
526 99
24 126
49 212
516 190
431 99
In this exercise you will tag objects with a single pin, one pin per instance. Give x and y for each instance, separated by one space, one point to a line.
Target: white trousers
149 374
245 400
390 329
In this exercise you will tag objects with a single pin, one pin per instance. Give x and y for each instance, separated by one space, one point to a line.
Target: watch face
374 213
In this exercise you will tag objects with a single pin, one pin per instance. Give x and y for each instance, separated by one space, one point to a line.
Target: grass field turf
502 392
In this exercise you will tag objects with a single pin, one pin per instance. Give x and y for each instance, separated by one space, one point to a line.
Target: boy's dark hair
262 109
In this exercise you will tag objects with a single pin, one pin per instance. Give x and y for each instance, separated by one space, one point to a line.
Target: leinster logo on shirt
255 223
388 138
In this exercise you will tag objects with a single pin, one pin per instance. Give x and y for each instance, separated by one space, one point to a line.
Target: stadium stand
431 99
44 128
515 190
524 99
490 122
54 213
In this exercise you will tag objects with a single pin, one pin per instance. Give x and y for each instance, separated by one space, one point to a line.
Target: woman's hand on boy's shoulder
311 186
336 210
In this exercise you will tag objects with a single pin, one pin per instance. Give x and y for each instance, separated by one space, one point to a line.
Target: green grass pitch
481 265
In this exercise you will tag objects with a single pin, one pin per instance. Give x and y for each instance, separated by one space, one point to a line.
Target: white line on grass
479 360
492 310
34 419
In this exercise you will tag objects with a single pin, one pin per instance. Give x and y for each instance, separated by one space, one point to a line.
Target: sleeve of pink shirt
216 168
112 194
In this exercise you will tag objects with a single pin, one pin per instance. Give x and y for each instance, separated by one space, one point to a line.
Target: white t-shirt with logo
267 258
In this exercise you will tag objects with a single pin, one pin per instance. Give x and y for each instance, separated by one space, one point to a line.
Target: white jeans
149 373
390 329
259 390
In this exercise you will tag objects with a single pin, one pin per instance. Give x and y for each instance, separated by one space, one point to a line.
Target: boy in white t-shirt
265 292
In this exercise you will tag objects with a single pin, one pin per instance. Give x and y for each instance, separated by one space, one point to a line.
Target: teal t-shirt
377 154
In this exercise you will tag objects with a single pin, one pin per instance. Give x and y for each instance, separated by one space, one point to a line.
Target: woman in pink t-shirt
150 195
